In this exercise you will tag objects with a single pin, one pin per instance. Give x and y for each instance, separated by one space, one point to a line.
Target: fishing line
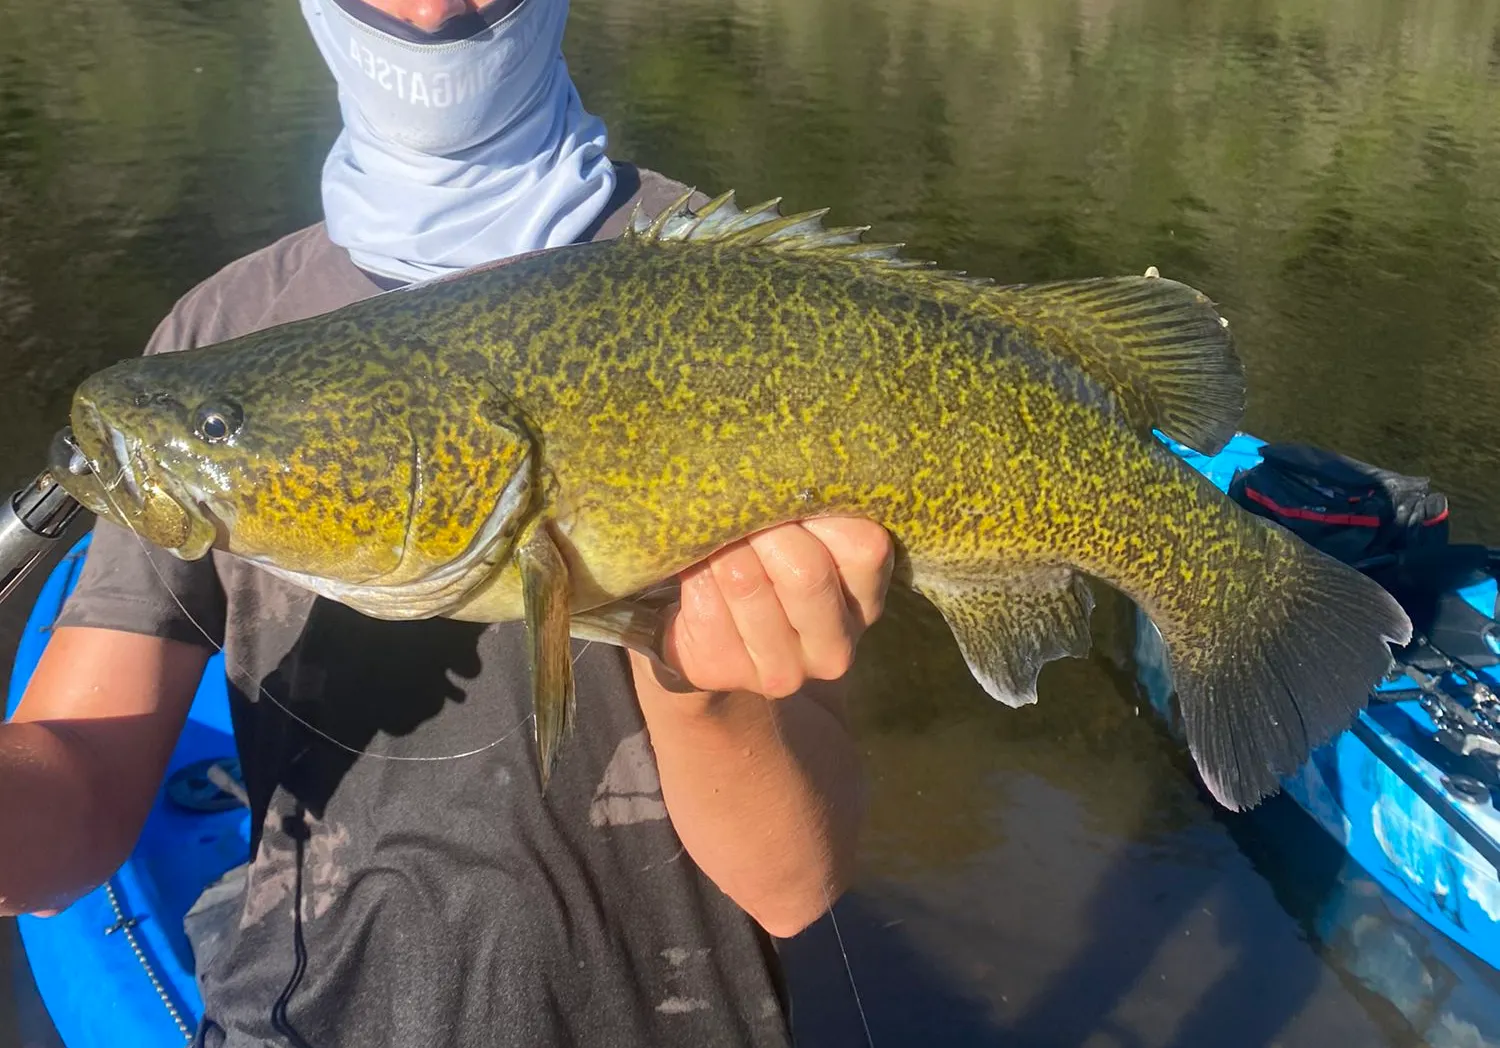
239 670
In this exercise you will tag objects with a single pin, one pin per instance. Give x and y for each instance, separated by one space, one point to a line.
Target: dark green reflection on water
142 145
1327 170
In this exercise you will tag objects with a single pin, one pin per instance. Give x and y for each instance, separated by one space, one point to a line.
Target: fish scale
552 437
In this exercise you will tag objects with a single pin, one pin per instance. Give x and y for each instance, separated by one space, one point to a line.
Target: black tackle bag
1348 509
1393 528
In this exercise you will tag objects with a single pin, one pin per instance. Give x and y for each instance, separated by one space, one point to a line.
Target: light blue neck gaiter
461 152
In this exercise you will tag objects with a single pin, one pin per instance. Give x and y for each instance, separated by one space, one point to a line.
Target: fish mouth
106 461
116 477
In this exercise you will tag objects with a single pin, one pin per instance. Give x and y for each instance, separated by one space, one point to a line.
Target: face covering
457 152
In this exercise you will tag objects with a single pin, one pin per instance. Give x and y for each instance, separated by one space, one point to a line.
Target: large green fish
549 437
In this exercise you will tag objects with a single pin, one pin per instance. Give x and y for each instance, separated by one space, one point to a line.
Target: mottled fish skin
682 396
653 399
686 397
363 454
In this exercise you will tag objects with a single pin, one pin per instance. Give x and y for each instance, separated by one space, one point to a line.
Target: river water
1327 170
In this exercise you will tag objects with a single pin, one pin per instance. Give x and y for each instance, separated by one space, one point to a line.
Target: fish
551 438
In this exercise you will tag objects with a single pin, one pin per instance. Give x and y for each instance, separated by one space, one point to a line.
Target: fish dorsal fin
763 226
1159 345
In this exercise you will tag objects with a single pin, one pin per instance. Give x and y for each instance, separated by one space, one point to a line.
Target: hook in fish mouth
73 460
79 472
98 455
117 479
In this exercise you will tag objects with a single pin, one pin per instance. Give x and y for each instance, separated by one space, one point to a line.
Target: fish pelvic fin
1010 626
1293 669
545 593
1160 346
639 624
632 624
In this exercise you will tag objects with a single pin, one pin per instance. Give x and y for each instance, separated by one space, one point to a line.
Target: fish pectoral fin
544 592
1010 626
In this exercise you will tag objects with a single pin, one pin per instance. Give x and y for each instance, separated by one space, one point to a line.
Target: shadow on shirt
355 678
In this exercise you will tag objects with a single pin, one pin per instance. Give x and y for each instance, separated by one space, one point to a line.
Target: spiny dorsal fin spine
763 226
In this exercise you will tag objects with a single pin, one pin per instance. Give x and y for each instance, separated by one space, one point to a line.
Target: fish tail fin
1159 345
1260 689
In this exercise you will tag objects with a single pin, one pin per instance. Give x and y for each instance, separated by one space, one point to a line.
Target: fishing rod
1463 707
33 518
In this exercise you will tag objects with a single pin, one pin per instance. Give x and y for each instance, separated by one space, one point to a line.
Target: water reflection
943 755
141 146
1326 170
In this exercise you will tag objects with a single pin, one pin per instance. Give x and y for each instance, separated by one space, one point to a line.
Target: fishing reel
35 517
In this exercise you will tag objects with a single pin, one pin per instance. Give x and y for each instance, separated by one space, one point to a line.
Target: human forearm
53 835
769 809
81 760
759 774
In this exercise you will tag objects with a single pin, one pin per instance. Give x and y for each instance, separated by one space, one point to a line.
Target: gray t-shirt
431 903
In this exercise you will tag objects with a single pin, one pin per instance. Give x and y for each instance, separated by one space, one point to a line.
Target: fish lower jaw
202 536
201 505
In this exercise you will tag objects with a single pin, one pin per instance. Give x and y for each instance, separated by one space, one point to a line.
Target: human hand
782 607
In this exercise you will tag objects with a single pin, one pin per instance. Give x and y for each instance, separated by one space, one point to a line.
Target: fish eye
218 421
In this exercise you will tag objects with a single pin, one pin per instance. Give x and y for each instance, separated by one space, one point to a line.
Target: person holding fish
410 882
423 522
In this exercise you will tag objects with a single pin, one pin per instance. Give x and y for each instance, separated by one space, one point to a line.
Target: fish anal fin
544 592
1010 626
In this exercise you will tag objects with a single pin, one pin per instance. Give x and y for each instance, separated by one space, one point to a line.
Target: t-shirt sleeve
128 584
138 588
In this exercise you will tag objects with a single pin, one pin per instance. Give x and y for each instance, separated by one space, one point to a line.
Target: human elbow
56 873
790 916
789 925
67 828
37 905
